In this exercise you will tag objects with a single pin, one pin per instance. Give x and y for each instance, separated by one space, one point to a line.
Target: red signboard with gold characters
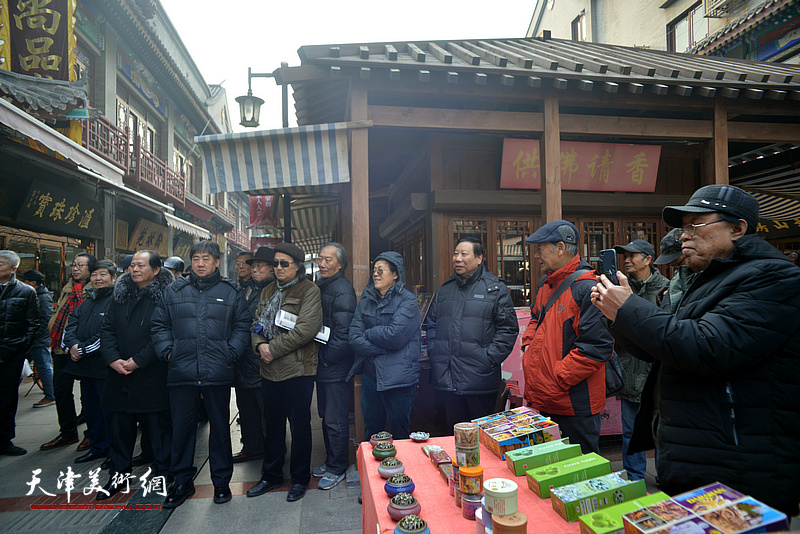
42 39
584 166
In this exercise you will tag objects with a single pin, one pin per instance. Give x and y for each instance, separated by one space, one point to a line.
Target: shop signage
262 211
769 229
270 242
181 248
149 236
584 166
40 32
121 234
64 212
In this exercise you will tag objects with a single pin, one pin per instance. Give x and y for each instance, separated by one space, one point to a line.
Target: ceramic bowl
403 504
419 436
400 483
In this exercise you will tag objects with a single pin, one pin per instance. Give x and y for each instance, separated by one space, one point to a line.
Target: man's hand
73 353
130 365
266 355
119 366
609 297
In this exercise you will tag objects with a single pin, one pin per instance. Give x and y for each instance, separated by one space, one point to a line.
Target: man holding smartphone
565 346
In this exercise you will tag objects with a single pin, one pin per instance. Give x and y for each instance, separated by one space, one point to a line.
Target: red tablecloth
438 508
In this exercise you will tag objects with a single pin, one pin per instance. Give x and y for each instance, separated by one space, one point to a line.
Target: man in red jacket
566 347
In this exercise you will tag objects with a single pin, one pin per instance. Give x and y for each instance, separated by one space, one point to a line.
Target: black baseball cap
554 232
727 199
637 245
670 247
32 276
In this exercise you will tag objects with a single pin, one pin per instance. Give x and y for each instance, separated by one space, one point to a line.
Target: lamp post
250 106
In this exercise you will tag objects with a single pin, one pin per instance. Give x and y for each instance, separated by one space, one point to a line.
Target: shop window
597 236
513 260
185 165
688 29
134 118
643 230
579 27
410 245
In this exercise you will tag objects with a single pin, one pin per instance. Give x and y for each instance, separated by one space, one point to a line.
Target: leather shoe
179 495
242 457
84 445
13 450
263 486
106 463
88 457
222 495
141 459
296 492
59 441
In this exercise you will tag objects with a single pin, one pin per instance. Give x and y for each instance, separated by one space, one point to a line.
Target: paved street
334 511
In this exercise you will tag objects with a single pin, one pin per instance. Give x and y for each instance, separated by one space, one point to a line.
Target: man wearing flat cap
729 394
646 282
566 344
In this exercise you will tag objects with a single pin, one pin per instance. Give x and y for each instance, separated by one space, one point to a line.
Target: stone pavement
333 511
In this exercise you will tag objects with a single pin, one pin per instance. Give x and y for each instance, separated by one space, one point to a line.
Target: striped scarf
70 305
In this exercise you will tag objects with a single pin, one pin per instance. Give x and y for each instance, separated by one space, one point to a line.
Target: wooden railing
240 238
148 173
107 141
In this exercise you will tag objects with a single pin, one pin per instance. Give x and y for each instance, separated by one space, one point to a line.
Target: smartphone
609 259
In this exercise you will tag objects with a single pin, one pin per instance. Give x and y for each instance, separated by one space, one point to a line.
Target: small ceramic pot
384 449
412 524
403 504
374 439
401 483
390 466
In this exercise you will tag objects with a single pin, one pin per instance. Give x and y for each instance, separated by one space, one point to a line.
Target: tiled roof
755 16
41 96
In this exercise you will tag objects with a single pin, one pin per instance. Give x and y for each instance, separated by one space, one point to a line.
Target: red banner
584 166
262 211
270 242
40 35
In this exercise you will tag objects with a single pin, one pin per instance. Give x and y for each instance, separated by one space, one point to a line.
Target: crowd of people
711 356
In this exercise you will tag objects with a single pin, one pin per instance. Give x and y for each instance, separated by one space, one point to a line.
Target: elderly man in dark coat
136 383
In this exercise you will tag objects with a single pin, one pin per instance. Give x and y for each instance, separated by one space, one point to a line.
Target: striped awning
777 191
288 160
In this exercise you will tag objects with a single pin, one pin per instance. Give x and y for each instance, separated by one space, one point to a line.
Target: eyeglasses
282 263
691 229
241 263
379 271
79 265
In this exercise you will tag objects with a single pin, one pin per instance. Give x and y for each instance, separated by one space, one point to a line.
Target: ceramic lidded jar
390 466
374 439
384 449
400 483
412 524
403 504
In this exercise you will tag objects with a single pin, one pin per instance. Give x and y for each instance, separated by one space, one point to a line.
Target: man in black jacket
82 342
472 328
201 327
40 351
136 383
729 356
19 321
247 378
335 359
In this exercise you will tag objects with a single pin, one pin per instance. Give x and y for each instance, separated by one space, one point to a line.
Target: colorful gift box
541 479
746 516
514 429
609 520
707 498
521 460
573 500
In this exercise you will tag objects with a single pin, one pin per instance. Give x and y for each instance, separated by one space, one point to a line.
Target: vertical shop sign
65 212
584 166
262 211
40 34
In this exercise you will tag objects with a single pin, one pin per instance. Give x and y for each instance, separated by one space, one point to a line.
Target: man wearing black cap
728 386
565 344
646 282
40 351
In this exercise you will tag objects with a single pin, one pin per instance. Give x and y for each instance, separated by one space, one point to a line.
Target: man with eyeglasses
729 356
245 271
72 295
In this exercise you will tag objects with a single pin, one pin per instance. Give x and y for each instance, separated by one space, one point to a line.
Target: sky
225 38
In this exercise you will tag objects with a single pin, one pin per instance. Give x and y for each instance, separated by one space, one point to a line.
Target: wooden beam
365 73
480 78
358 200
585 85
416 53
452 77
707 92
507 80
635 88
720 141
754 94
488 55
550 146
363 52
334 51
464 54
336 71
643 127
440 53
391 52
515 58
560 84
536 82
424 76
394 74
659 89
776 94
760 132
730 92
610 87
683 90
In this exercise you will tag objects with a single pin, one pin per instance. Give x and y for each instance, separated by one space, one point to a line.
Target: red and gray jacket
564 362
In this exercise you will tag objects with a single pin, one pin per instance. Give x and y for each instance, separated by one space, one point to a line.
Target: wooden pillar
720 141
358 216
550 167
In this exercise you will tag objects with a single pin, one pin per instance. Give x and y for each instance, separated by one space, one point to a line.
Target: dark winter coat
201 327
45 296
83 329
386 328
729 392
19 318
126 334
294 351
338 305
472 328
636 370
247 370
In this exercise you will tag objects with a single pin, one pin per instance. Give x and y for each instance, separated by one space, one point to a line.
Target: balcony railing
107 141
239 238
150 174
